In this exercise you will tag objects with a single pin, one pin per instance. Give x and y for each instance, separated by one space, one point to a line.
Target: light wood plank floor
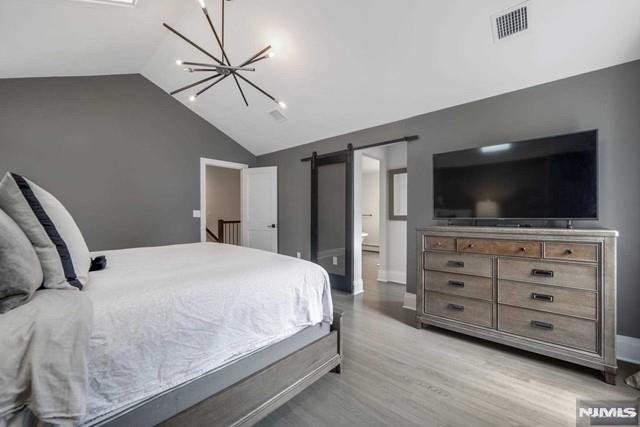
396 375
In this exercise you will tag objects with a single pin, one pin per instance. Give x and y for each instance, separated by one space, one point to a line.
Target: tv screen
546 178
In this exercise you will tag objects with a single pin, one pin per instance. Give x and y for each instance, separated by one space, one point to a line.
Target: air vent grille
511 21
278 116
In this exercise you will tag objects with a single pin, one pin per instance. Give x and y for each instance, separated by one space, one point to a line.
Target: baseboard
392 276
358 287
409 301
628 349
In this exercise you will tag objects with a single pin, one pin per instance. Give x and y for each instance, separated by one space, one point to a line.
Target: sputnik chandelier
222 67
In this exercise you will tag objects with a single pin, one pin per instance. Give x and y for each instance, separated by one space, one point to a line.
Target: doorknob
271 226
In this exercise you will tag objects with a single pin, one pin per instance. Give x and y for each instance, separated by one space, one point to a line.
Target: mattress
165 316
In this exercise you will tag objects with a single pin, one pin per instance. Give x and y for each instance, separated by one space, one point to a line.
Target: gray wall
608 99
121 154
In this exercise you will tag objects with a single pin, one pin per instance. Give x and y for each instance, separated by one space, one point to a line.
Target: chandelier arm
212 84
215 33
216 67
200 64
203 69
194 84
255 56
192 43
255 86
257 59
239 88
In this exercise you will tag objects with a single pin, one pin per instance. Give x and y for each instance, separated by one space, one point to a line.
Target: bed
205 334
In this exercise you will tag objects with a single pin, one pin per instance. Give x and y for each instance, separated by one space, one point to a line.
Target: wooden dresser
549 291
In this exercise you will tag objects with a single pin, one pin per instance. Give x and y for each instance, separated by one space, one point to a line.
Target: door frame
204 162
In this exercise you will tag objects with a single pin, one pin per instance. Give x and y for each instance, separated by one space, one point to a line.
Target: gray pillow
56 238
20 270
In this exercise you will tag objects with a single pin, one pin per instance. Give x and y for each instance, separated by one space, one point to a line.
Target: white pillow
56 238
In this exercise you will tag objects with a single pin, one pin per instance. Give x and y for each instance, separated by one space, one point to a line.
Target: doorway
370 202
238 204
222 195
380 219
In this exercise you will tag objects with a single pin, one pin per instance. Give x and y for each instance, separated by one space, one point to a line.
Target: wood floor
396 375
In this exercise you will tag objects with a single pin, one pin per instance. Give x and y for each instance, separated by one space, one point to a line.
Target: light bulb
271 54
179 62
192 98
282 104
202 5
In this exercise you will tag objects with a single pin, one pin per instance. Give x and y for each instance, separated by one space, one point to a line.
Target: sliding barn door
260 208
332 217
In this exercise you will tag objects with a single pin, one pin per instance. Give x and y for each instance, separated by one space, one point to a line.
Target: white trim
409 301
394 276
204 162
628 349
358 287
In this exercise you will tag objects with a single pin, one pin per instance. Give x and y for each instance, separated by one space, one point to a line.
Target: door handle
271 226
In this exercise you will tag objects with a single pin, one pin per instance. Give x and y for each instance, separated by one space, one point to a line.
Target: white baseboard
358 287
409 301
392 276
628 349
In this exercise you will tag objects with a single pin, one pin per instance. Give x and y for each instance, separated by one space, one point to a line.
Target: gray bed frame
246 391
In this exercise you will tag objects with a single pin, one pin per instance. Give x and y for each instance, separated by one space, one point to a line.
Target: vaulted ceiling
340 65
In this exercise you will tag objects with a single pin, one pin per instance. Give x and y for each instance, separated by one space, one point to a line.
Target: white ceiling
340 66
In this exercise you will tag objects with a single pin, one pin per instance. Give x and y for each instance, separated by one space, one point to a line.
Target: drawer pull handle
542 325
542 297
523 249
438 243
456 263
542 273
455 307
568 252
471 245
456 283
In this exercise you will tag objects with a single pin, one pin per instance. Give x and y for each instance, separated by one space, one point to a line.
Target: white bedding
166 315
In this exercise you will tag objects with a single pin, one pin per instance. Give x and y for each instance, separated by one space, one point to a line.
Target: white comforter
165 315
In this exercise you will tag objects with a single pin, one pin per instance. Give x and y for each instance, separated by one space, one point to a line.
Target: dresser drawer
554 299
500 247
459 284
459 263
571 275
553 328
459 308
571 251
434 243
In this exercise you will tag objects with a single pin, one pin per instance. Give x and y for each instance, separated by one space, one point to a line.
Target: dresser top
596 232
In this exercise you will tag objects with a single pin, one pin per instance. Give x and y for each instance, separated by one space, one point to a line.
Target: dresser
548 291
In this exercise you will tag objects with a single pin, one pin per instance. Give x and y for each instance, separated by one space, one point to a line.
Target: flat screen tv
546 178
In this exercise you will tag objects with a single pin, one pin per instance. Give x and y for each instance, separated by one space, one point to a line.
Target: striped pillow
56 238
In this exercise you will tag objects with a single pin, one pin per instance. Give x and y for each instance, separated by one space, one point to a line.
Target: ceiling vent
512 21
278 116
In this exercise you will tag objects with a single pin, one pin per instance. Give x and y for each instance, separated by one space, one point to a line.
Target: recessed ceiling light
113 2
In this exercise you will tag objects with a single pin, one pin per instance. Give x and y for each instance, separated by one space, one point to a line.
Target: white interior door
260 208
